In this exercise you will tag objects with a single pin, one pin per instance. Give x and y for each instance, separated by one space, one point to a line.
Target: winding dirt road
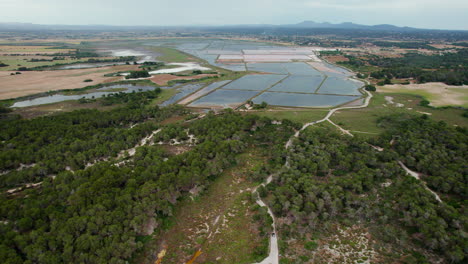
416 175
273 257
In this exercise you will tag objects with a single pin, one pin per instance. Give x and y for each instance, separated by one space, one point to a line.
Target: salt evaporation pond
183 91
333 85
302 100
300 68
203 91
299 84
56 98
268 67
224 98
314 83
256 82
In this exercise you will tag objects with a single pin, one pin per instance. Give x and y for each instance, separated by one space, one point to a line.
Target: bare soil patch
336 58
33 82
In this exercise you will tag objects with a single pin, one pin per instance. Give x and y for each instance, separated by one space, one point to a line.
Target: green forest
88 204
450 68
99 214
334 179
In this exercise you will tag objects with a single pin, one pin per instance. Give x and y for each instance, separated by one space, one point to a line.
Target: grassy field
18 49
365 119
172 55
224 230
14 62
297 115
165 95
439 94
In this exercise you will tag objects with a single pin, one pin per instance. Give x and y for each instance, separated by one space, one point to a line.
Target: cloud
419 13
383 5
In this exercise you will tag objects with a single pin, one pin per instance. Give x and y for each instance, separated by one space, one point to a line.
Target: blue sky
446 14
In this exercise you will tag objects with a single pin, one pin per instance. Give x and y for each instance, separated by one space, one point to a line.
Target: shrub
310 245
424 102
137 74
370 88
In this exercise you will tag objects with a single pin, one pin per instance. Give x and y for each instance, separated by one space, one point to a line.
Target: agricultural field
33 82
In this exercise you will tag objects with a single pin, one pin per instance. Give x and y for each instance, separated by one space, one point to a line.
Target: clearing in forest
439 94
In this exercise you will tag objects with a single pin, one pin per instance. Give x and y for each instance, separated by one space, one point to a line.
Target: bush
137 74
310 245
88 80
263 105
424 102
370 88
4 109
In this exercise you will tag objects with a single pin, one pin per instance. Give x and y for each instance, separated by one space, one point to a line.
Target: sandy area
439 94
162 79
32 82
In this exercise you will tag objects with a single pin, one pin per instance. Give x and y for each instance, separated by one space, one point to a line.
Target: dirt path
327 118
131 152
416 175
273 256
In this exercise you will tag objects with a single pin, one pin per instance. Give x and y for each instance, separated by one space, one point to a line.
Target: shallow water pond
334 85
183 91
302 100
224 98
299 84
256 82
129 88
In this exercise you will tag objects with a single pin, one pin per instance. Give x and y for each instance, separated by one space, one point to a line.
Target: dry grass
439 94
223 230
31 50
33 82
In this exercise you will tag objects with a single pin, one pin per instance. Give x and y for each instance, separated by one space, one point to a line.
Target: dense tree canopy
99 214
332 178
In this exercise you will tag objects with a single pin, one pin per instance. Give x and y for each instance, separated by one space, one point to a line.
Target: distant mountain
301 25
347 25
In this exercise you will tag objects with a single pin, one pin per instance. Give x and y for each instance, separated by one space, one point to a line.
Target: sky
437 14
